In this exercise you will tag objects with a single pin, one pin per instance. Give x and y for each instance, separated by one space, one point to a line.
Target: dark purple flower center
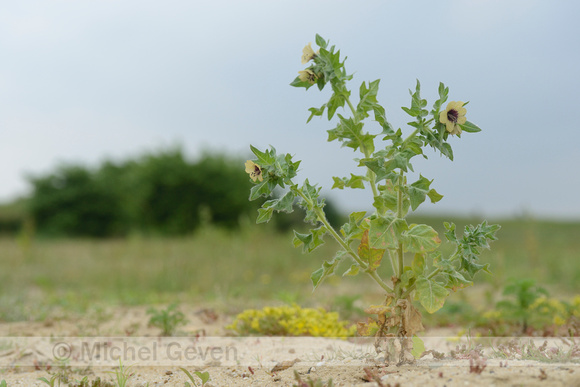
453 115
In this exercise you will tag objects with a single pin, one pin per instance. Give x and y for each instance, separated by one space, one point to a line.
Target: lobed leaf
431 294
327 269
420 238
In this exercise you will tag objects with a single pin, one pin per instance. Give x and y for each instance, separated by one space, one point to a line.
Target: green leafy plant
527 308
291 321
122 374
51 382
526 292
203 376
166 319
417 270
3 383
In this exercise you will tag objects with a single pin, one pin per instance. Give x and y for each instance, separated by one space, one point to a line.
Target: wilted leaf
368 254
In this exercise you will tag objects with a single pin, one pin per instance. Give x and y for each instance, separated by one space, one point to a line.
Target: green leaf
352 229
386 231
443 93
316 112
456 281
470 127
297 82
450 232
471 267
260 189
417 103
264 215
327 269
285 204
355 181
418 191
320 41
434 196
387 200
381 118
368 254
350 134
418 264
311 240
418 347
353 270
420 238
204 376
474 238
430 294
264 158
408 277
336 101
368 97
338 182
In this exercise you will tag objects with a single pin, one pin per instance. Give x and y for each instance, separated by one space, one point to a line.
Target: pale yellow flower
453 116
307 76
254 170
307 53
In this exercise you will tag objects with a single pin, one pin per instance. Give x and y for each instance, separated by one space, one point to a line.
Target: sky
87 81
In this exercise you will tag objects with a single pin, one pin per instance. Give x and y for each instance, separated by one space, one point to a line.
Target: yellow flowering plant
415 268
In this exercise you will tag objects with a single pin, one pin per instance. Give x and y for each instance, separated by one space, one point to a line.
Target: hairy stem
400 216
364 150
322 217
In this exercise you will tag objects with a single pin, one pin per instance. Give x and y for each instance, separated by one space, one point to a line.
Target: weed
526 292
3 383
50 382
516 349
417 269
122 374
167 320
203 376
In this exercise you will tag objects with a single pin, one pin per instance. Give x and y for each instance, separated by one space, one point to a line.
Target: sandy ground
90 347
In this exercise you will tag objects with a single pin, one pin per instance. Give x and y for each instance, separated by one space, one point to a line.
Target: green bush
157 193
72 202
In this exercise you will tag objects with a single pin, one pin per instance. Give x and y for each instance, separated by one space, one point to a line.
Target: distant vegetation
160 193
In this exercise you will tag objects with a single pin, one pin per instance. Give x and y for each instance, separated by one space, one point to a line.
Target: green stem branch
343 244
364 150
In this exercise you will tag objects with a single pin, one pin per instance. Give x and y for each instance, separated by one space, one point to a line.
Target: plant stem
400 216
343 244
411 135
364 150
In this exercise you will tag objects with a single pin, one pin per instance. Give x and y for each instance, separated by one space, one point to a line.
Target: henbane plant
416 269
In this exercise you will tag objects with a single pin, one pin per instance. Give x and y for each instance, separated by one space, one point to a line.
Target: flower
453 116
307 53
254 170
307 76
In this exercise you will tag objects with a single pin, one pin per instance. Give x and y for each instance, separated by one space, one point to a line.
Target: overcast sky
83 81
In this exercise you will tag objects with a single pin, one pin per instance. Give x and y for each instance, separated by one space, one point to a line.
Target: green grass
256 264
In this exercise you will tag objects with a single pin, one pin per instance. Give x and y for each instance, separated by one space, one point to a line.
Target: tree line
159 193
